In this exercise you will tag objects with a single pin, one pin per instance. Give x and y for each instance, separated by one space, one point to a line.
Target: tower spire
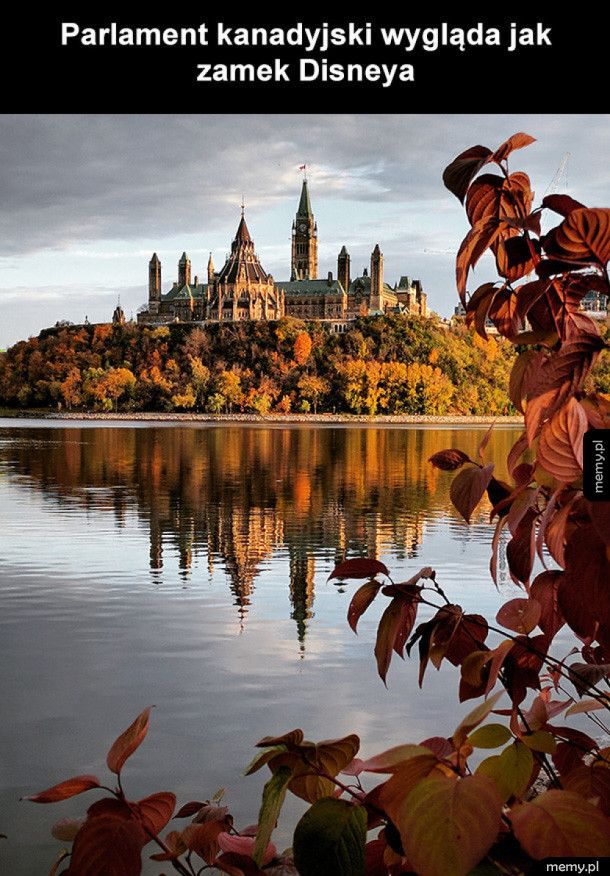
304 263
305 203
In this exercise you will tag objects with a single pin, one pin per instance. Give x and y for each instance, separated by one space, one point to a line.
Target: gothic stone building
242 289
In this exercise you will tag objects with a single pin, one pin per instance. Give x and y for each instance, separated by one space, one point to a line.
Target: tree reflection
241 495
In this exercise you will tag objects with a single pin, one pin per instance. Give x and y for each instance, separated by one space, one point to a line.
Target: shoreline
269 420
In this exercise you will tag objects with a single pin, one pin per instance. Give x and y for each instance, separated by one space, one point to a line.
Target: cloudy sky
86 199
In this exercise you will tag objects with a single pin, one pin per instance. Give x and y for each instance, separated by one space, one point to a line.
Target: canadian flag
302 167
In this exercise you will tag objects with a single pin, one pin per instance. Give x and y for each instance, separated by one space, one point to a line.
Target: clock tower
304 241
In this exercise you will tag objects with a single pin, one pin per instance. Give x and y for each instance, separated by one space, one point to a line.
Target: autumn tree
313 389
302 348
229 386
200 379
117 383
71 388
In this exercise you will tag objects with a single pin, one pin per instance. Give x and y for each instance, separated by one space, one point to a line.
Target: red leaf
561 442
599 512
501 496
566 758
514 257
468 487
527 295
64 790
495 545
484 442
520 549
189 809
449 460
562 204
484 197
517 141
203 839
361 600
439 745
503 313
478 239
560 824
359 568
555 378
592 783
478 307
156 810
459 174
175 847
544 590
128 742
557 530
468 636
394 629
584 235
584 675
520 615
108 846
522 666
597 409
110 806
517 451
499 656
583 590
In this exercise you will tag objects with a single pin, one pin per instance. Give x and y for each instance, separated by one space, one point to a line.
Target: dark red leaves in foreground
359 568
449 460
128 742
108 846
65 790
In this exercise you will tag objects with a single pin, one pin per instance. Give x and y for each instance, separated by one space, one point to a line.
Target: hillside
391 364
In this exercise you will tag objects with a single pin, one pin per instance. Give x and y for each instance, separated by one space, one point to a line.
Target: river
187 567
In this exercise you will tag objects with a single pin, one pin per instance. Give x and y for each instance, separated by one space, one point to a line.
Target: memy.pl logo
596 471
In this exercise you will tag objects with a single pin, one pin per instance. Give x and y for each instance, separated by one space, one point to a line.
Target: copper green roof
181 292
304 203
365 283
310 287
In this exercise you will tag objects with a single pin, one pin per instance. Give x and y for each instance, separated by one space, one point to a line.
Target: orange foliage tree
302 348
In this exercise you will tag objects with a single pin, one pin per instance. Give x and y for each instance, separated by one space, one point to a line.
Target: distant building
596 305
243 290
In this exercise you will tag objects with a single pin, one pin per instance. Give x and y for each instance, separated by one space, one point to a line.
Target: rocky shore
270 419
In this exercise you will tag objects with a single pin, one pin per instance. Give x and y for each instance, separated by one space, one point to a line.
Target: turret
343 269
154 279
210 269
376 278
184 271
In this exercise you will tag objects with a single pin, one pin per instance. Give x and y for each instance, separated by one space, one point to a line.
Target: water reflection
238 496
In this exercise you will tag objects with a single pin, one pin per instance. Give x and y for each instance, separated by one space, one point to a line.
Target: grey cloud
71 178
24 311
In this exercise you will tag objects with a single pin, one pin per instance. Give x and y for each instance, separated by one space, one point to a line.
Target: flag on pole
303 167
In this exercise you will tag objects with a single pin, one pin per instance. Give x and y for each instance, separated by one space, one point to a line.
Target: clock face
302 228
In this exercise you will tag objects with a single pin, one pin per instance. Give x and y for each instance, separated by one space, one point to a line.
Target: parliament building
242 289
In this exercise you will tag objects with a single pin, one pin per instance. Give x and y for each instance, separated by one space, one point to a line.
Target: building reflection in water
238 496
